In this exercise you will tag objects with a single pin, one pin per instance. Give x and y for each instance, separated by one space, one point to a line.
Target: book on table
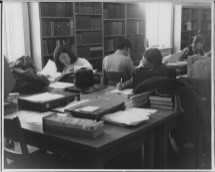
97 107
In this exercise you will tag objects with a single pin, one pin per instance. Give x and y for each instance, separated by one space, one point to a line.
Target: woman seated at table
151 66
67 62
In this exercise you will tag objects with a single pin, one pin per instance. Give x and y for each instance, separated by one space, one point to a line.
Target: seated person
67 62
195 49
152 66
120 61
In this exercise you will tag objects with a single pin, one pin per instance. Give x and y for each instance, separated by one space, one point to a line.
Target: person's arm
127 84
129 67
185 53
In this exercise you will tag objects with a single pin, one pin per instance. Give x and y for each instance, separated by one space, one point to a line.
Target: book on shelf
162 106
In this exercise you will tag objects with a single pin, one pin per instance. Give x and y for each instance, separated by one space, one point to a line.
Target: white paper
89 109
131 116
123 92
28 116
50 70
42 97
61 85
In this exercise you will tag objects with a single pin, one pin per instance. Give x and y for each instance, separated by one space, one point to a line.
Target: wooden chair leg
198 150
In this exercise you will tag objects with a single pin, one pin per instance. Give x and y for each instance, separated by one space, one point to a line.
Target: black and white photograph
107 86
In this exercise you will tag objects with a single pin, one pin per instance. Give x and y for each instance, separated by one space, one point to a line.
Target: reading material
42 97
61 85
129 117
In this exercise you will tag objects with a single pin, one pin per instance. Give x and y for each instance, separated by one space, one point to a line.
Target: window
13 31
158 24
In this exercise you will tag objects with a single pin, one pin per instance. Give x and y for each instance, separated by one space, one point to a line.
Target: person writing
67 62
120 61
151 66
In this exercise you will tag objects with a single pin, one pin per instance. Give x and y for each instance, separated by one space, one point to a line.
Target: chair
191 60
112 78
25 160
196 118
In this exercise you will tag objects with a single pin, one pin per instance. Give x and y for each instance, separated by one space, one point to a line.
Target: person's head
63 57
152 58
198 43
124 44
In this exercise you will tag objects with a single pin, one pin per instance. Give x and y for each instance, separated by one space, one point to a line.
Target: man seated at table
151 66
196 48
119 62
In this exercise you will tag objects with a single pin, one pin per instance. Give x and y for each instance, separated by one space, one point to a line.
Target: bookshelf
57 27
135 30
91 29
89 44
193 21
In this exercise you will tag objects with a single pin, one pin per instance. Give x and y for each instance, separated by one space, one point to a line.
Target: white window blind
158 24
13 31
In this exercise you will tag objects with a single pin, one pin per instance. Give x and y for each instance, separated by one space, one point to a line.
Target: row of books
88 53
161 102
88 8
206 25
114 28
89 38
134 11
58 28
49 45
137 41
206 14
89 23
56 9
114 11
135 27
110 44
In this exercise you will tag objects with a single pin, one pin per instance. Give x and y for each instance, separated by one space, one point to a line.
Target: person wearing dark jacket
151 66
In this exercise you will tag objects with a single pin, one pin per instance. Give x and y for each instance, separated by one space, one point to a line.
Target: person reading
67 62
151 66
118 63
195 49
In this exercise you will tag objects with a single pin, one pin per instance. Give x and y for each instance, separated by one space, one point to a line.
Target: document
28 116
61 85
50 70
126 92
42 97
129 117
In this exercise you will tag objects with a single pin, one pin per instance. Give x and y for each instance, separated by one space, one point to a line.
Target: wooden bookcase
191 22
91 29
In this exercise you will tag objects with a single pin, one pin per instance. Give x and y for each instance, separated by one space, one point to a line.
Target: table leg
149 151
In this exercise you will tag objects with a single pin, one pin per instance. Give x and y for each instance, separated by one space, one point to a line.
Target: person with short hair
120 61
195 49
151 66
66 61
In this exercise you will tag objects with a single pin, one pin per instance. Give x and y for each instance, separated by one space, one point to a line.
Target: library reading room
108 85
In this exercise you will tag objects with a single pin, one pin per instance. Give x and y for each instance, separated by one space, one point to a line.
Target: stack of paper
129 117
61 85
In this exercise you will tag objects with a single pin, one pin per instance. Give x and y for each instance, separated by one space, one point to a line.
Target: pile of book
161 102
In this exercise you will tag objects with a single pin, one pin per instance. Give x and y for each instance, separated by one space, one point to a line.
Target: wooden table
115 140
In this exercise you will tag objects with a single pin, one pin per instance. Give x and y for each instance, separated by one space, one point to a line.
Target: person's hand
185 51
119 86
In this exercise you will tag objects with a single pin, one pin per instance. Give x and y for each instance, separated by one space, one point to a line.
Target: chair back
112 78
13 132
191 60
